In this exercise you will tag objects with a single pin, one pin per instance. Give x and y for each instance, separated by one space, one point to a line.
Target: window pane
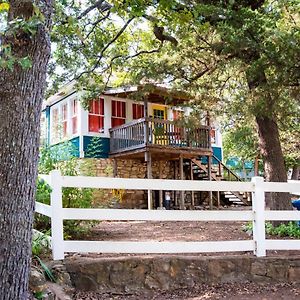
96 123
158 114
123 113
93 123
117 122
74 125
91 106
64 128
65 112
113 108
101 106
74 107
118 109
97 107
137 111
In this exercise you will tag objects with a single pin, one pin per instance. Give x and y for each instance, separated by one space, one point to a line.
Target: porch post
149 176
146 124
192 178
209 162
175 177
160 191
209 159
181 204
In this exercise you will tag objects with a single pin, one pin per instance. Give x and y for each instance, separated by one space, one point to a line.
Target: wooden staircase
220 172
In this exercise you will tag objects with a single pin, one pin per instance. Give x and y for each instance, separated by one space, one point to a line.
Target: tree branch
101 5
159 31
105 48
96 23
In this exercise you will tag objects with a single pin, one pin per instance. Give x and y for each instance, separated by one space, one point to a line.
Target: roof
152 93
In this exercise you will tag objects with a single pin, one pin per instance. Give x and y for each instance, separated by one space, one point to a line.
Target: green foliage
50 159
39 295
40 243
240 142
289 230
46 270
16 31
283 230
239 59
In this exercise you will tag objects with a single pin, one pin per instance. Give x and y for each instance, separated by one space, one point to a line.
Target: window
74 111
55 124
159 114
213 135
118 116
137 111
64 120
96 115
177 114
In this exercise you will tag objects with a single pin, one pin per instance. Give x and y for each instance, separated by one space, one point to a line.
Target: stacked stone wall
175 272
125 169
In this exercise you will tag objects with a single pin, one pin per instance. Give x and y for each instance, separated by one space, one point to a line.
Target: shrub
51 159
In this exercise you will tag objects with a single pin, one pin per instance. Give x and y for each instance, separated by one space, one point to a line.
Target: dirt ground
169 231
172 231
188 231
226 291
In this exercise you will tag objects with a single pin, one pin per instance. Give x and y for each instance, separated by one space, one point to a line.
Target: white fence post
57 218
258 207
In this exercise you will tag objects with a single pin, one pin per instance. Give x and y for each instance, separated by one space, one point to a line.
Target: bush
291 229
51 159
283 230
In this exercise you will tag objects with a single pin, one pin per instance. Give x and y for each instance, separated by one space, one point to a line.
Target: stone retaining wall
172 272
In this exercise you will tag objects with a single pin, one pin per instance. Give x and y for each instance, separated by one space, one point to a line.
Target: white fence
258 215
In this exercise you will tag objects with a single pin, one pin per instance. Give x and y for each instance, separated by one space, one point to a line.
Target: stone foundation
173 272
125 169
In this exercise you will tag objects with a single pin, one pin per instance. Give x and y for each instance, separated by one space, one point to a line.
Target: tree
245 45
25 51
241 55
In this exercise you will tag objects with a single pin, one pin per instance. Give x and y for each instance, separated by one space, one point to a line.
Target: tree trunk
273 162
256 166
21 97
296 173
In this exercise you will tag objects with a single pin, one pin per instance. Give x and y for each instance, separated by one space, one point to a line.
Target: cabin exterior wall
81 137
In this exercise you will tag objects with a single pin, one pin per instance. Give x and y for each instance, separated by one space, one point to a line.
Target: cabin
141 135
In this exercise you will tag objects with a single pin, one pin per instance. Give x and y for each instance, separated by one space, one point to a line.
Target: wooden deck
159 136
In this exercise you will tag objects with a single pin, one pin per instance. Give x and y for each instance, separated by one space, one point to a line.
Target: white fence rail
258 215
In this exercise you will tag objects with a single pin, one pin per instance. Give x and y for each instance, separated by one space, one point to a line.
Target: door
159 112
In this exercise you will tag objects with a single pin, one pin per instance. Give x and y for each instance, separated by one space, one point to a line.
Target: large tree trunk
273 161
21 94
269 142
296 173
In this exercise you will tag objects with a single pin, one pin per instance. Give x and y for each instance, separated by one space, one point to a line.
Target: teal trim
66 150
236 162
100 147
217 151
47 116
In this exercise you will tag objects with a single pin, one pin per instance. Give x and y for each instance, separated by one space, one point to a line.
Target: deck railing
149 131
258 215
